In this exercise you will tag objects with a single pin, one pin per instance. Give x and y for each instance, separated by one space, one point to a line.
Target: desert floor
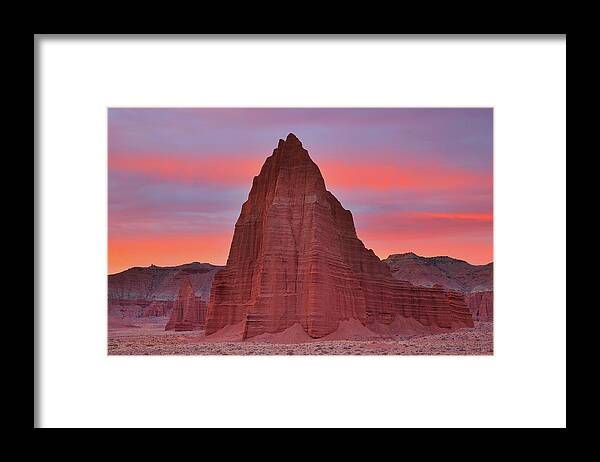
149 338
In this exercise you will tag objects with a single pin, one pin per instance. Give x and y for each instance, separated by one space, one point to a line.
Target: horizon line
224 265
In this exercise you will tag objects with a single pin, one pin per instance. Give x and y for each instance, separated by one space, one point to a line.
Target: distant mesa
446 271
475 281
295 258
150 292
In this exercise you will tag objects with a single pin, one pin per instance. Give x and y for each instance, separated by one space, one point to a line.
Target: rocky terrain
476 282
446 271
295 258
151 291
481 305
150 338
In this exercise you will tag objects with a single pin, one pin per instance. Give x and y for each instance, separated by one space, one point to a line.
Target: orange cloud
464 235
342 174
474 251
167 250
383 177
465 216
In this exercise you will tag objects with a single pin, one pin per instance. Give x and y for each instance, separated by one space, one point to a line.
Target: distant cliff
475 281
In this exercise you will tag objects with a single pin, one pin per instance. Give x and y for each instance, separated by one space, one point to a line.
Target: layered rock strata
189 311
475 281
481 305
151 291
447 271
295 258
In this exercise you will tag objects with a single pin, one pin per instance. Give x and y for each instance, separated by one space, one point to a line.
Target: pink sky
417 180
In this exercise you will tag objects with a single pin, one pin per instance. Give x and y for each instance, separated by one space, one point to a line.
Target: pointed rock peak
293 140
292 150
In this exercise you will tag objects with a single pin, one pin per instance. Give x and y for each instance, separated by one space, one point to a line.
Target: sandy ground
149 338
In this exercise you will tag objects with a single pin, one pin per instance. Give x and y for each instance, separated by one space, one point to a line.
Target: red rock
295 258
160 282
151 291
481 305
127 308
116 322
139 308
475 281
158 308
189 311
449 272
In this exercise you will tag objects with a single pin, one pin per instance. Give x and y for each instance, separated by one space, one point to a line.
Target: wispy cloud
415 179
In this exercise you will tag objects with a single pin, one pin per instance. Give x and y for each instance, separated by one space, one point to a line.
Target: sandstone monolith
295 258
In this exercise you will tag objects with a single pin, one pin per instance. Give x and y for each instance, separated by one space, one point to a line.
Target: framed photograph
325 223
295 277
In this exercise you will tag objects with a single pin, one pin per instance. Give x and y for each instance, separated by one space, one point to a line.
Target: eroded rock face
160 282
150 291
475 281
127 308
481 305
295 258
447 271
189 311
158 308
